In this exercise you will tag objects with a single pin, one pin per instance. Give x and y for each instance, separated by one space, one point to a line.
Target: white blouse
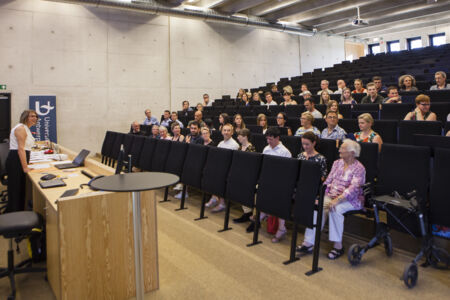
29 141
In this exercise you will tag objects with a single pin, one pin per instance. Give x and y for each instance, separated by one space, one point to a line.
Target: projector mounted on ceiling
358 21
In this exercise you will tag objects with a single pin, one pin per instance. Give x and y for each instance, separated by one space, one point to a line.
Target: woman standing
20 143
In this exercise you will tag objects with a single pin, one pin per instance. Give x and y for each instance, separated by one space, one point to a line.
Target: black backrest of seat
293 143
369 158
145 160
117 143
366 107
160 154
193 165
276 185
175 158
243 177
441 110
108 143
127 143
349 125
403 168
387 129
4 150
259 141
249 120
446 127
439 203
307 189
320 123
328 149
294 111
255 128
395 111
215 172
406 130
216 136
345 110
136 149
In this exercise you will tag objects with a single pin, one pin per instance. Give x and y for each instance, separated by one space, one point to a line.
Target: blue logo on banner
45 128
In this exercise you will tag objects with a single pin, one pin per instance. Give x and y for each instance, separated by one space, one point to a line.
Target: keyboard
52 183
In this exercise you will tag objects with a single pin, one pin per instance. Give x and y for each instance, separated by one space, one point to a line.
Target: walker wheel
354 254
410 275
388 244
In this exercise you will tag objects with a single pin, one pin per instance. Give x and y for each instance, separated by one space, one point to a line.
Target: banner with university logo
45 128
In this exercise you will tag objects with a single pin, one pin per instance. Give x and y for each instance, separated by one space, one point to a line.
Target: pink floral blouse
347 183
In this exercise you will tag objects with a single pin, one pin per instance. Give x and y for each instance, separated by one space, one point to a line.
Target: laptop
77 162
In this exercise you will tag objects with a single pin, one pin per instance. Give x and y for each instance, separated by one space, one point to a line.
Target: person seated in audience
359 87
149 120
274 90
333 106
164 134
136 129
324 97
287 96
240 93
440 77
448 117
366 134
245 99
288 89
228 143
174 118
224 118
333 131
307 96
238 123
261 120
372 95
310 107
194 137
306 122
407 83
341 86
257 97
166 120
422 111
309 143
346 97
186 106
448 133
379 84
206 101
269 99
206 135
282 120
155 131
198 116
176 131
199 107
392 95
344 193
304 89
324 87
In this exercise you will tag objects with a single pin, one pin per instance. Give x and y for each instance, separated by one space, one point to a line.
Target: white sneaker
212 202
178 187
218 208
180 194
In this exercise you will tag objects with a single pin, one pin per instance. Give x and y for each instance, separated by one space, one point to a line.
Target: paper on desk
62 162
39 166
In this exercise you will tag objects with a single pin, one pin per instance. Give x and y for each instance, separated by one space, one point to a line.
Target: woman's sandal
281 234
335 253
305 249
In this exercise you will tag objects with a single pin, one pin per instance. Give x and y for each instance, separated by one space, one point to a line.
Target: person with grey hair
440 77
324 87
344 193
136 129
341 86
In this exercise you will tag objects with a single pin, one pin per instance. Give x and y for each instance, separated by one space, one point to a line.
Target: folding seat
275 109
441 110
439 95
145 159
293 143
259 141
261 109
159 157
409 97
107 146
127 143
254 128
215 174
345 110
349 125
175 161
320 123
406 130
249 120
322 108
216 136
136 149
432 141
193 169
387 129
116 148
369 158
370 108
328 148
272 121
293 123
294 111
439 205
395 111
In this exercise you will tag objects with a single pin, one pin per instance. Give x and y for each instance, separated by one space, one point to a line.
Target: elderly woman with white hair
344 193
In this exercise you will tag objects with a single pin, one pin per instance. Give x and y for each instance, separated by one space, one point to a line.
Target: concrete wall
106 66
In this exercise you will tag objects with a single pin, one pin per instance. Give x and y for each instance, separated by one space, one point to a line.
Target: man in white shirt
309 106
227 143
206 101
324 87
269 99
341 85
166 119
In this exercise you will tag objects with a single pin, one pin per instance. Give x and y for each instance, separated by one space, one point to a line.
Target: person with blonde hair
407 83
238 123
346 97
261 120
344 193
306 121
440 77
164 134
366 133
287 96
359 87
422 111
324 97
334 107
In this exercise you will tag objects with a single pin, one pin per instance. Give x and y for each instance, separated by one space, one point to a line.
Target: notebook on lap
77 162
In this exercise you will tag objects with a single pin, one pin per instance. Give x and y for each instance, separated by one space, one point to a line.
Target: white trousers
336 224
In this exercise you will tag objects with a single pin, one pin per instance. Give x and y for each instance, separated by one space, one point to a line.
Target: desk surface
135 182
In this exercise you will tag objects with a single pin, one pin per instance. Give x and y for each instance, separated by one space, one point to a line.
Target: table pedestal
138 256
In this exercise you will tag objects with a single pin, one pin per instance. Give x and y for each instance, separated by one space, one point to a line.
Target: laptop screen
81 157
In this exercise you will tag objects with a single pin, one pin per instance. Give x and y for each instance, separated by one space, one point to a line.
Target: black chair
349 125
294 111
160 154
273 110
107 146
293 143
369 158
215 175
345 110
255 129
116 148
446 127
259 141
328 148
441 110
395 111
275 189
17 226
136 149
407 129
242 180
216 136
4 150
432 141
439 204
145 159
193 169
175 162
387 129
320 123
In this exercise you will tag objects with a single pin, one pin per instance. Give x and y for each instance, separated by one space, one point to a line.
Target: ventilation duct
209 15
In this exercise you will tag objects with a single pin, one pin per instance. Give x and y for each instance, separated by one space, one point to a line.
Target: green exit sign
2 86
